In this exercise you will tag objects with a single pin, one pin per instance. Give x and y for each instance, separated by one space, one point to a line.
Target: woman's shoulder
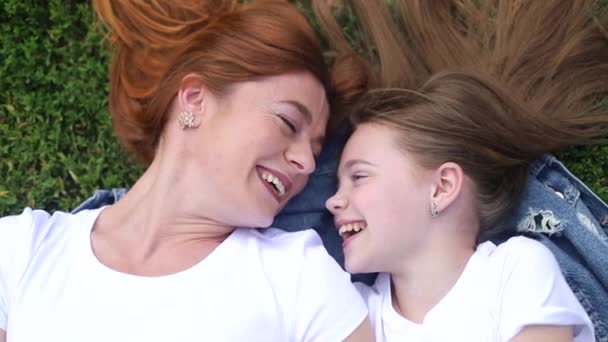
35 223
291 256
29 225
275 240
20 237
291 252
27 217
23 234
316 295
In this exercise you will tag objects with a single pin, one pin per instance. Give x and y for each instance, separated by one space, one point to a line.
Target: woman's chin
265 224
261 220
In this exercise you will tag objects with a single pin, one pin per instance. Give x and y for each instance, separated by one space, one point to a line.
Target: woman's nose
302 158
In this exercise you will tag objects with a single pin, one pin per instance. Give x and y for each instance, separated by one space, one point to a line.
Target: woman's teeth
279 187
350 229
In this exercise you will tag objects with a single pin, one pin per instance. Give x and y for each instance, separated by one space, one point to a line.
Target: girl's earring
434 209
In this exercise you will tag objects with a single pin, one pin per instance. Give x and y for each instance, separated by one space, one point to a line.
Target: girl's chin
354 268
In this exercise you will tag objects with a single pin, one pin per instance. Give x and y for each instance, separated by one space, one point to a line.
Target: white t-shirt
258 285
501 290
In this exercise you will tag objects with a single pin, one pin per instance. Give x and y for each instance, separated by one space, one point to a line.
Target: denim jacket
568 218
556 208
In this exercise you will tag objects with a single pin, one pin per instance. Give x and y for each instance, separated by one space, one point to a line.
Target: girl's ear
447 185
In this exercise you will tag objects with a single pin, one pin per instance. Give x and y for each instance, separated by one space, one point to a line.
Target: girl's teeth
351 227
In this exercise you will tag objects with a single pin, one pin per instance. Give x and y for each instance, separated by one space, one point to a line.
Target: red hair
158 42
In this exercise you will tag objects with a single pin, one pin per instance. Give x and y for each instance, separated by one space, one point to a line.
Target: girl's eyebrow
349 164
352 162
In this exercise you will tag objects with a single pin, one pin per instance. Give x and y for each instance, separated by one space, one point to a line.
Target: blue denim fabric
101 198
556 208
566 216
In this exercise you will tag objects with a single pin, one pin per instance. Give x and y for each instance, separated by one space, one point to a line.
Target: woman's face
259 145
384 195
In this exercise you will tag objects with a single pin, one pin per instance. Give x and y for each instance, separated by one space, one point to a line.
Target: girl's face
384 195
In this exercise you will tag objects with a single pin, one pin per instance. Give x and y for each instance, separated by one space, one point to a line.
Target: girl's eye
358 176
289 124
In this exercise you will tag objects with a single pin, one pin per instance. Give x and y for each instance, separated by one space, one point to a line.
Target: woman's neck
155 222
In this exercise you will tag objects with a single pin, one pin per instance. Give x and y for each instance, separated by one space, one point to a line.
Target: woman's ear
191 95
447 185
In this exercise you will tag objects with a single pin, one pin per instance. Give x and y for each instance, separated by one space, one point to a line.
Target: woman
227 103
436 165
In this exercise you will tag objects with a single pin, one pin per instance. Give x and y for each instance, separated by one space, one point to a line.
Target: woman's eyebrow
301 108
307 117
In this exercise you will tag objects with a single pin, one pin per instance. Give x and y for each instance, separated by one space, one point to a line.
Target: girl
437 163
425 180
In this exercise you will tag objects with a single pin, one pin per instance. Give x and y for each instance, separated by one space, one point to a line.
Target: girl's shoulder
518 251
530 289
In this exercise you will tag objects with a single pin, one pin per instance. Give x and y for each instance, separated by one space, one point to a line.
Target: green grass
56 141
590 164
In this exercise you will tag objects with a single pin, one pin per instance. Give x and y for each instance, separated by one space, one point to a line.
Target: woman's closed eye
292 127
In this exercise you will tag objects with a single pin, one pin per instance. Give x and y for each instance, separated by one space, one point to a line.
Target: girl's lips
347 241
351 227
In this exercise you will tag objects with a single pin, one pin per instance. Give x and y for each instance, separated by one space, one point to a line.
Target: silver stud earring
186 120
434 209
